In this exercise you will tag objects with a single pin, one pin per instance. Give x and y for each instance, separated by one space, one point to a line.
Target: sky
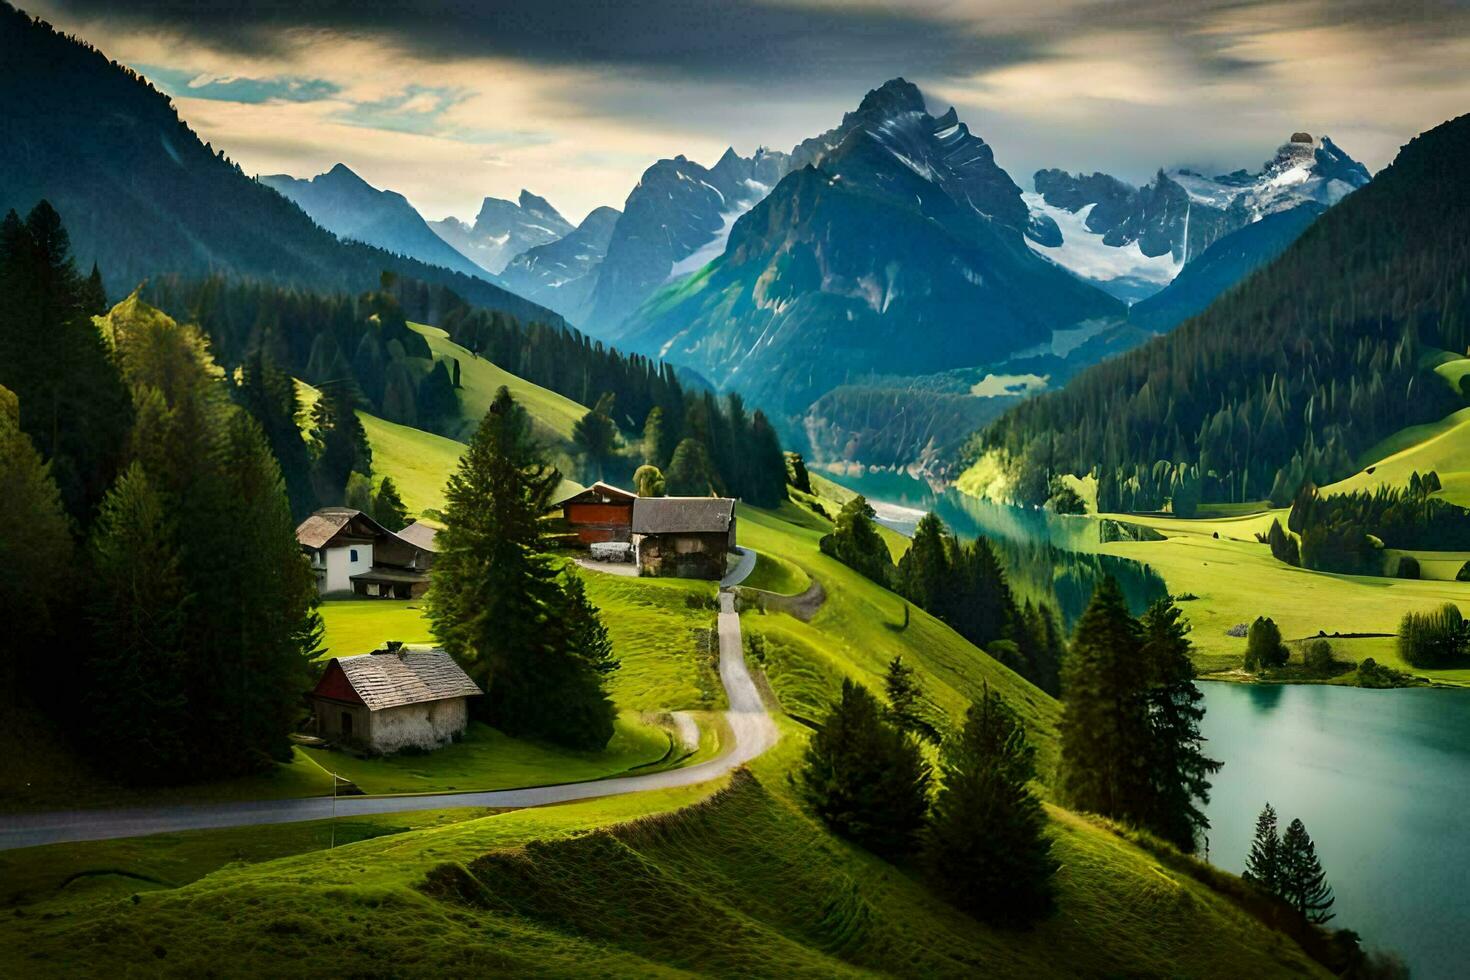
448 101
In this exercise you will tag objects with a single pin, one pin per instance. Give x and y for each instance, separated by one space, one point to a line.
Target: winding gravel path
753 732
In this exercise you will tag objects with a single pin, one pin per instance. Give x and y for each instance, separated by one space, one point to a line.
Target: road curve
753 732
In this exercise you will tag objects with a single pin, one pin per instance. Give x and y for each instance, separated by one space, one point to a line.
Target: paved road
753 733
742 569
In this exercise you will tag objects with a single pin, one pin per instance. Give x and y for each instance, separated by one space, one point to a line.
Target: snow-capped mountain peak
1157 229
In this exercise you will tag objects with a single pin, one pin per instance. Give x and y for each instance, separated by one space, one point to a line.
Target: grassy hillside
727 878
555 414
731 877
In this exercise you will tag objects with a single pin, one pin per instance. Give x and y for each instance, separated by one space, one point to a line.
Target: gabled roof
325 524
420 534
385 679
690 515
598 491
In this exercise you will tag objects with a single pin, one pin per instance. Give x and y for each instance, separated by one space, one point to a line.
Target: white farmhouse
352 554
392 699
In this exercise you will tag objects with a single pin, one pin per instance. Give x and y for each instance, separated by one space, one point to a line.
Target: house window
346 723
352 556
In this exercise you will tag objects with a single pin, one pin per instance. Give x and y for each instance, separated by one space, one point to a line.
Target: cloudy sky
451 100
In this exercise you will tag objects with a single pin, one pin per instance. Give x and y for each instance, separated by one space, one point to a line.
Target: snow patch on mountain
1084 252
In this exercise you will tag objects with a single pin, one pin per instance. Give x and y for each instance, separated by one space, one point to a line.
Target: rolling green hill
729 877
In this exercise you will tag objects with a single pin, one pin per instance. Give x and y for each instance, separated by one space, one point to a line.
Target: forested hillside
142 196
1286 378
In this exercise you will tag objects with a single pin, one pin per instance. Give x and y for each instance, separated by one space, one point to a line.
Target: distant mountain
897 249
351 208
1224 264
561 274
1132 241
1291 375
675 221
142 196
504 229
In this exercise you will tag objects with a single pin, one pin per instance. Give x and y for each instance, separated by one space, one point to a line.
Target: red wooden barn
602 512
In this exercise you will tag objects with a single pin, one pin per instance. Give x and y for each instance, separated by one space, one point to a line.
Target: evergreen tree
94 294
648 481
688 474
856 543
596 436
1177 768
495 601
36 536
582 662
388 507
340 440
359 493
1263 866
1303 883
73 404
269 394
1104 727
137 704
654 437
924 574
903 697
867 780
796 473
986 845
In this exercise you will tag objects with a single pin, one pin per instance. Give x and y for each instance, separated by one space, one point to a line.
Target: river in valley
1380 778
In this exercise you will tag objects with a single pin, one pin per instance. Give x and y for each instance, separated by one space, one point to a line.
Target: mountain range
1292 375
1132 241
504 229
351 208
141 195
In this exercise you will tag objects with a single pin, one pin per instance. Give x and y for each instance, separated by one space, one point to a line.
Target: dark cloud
713 40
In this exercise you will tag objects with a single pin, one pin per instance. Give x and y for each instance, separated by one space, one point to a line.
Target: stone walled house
683 537
600 513
392 699
352 554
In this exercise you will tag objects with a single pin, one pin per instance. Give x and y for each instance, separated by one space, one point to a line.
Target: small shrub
1263 646
1318 657
1238 630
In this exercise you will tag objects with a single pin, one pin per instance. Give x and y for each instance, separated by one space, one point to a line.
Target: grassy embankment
740 881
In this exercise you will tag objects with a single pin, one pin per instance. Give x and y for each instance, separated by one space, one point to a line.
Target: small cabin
600 513
391 699
683 537
352 554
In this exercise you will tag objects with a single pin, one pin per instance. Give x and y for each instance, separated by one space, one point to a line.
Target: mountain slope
676 219
1226 262
504 229
351 208
1290 376
1134 240
561 274
142 196
903 253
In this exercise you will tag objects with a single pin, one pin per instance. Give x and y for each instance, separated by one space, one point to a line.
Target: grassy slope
741 882
744 881
773 574
479 379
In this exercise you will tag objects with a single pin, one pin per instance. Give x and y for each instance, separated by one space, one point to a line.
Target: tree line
1345 532
1286 378
178 610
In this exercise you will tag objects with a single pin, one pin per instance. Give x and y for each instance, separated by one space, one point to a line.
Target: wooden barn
392 699
683 537
352 554
602 512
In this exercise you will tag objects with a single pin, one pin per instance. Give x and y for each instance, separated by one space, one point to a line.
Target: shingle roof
321 526
420 535
391 680
597 490
671 515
